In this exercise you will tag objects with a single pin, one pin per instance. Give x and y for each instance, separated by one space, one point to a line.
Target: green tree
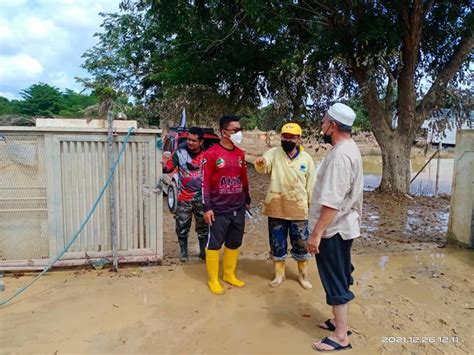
107 98
45 100
73 104
40 100
249 122
362 121
5 106
220 53
400 57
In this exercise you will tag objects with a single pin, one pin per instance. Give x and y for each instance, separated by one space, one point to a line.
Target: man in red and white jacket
225 193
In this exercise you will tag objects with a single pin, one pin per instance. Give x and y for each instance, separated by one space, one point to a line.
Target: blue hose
83 224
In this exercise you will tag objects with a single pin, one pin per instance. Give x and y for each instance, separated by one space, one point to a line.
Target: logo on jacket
230 185
220 163
303 168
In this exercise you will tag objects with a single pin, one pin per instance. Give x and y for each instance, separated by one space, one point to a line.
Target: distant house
442 127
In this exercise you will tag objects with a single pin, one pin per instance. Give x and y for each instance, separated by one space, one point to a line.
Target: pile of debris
9 120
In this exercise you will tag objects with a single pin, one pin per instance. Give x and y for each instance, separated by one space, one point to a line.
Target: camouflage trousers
184 217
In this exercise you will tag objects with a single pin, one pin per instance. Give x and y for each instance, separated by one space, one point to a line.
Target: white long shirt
339 185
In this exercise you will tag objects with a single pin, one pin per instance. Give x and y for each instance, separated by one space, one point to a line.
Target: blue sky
43 40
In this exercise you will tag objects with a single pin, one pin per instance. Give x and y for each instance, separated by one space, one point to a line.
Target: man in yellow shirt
292 177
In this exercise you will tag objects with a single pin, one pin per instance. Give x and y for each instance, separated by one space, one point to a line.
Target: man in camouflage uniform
188 160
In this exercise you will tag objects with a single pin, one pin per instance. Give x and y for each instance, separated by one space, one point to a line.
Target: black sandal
331 327
335 345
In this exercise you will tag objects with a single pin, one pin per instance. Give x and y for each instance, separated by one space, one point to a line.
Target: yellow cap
291 128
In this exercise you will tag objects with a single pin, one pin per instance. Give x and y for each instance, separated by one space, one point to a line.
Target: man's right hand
209 217
260 161
313 242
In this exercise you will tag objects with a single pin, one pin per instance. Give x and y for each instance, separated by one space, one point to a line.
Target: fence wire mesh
23 198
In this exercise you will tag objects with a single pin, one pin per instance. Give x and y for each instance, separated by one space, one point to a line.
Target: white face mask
236 138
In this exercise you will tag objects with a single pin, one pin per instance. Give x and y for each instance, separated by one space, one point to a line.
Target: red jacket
225 186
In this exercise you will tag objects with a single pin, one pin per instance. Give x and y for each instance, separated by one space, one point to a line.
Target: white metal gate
23 197
72 167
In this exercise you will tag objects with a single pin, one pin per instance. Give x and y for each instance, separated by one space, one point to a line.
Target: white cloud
6 33
19 65
38 29
61 79
76 17
44 41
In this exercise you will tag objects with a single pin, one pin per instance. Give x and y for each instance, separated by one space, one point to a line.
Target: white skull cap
342 114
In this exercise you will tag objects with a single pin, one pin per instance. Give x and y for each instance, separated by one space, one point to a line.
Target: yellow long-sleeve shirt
291 184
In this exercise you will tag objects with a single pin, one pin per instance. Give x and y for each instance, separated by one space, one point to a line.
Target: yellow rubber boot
230 263
303 275
212 264
279 273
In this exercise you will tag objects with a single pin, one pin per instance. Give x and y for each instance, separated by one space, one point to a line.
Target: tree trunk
396 172
396 143
395 146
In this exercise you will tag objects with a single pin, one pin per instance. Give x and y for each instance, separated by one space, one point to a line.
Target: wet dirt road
169 310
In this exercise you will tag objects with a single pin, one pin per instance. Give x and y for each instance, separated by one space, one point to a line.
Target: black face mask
327 139
288 146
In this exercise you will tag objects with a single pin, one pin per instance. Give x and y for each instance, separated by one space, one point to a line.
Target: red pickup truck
176 138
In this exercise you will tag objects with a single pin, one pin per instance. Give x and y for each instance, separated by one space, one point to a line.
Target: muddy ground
419 302
414 295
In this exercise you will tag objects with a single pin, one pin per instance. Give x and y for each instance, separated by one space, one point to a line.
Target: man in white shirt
334 221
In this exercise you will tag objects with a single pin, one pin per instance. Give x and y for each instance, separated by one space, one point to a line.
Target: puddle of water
414 277
424 184
383 262
432 265
371 224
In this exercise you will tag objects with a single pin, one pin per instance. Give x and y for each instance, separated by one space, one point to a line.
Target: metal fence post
437 169
113 217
